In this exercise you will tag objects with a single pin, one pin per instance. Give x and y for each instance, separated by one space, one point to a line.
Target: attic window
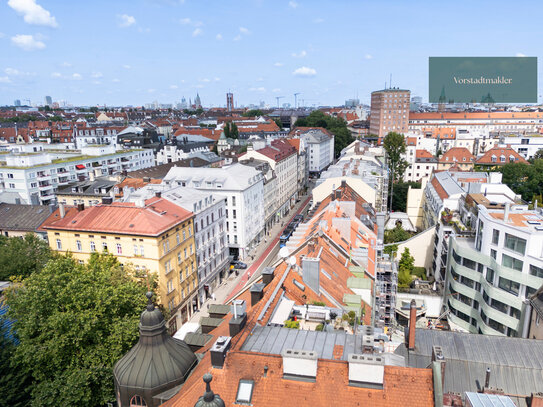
245 392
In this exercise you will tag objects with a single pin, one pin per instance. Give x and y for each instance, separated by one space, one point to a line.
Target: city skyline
134 53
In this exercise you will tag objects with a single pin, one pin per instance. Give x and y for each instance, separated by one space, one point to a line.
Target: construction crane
296 100
277 98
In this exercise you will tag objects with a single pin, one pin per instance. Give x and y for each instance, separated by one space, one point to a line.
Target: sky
135 52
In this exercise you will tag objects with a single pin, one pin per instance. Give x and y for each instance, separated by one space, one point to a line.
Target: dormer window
502 158
494 159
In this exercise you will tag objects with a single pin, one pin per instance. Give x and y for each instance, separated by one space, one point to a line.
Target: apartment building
458 157
35 175
243 187
490 275
319 144
526 145
283 159
389 112
153 237
212 254
421 165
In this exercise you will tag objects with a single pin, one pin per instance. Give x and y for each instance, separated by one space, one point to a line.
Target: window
167 266
456 257
59 244
185 250
233 200
92 246
119 248
177 239
511 262
170 286
136 252
509 286
245 392
137 401
184 237
515 243
493 253
536 271
470 264
490 275
495 236
179 257
141 251
104 246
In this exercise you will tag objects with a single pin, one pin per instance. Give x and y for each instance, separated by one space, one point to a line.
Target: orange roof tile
457 154
156 217
423 154
497 153
439 189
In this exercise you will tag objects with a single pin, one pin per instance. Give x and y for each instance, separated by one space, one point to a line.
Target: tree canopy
394 145
398 194
396 235
231 130
22 257
335 125
524 179
253 113
406 267
73 322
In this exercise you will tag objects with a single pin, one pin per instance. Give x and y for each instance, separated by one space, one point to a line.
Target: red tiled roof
156 217
439 189
472 116
411 141
278 150
423 154
497 152
296 131
457 154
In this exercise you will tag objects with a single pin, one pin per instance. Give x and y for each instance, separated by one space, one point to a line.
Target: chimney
257 292
311 272
218 351
146 179
91 175
238 321
437 356
506 212
80 207
107 200
62 210
487 378
412 323
267 275
158 194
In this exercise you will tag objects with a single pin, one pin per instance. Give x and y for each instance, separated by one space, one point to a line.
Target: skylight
245 392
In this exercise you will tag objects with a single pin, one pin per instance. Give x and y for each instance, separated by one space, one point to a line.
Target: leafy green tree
231 130
14 382
253 113
292 324
277 121
394 145
74 322
524 179
391 250
22 257
396 235
335 125
405 269
398 194
538 155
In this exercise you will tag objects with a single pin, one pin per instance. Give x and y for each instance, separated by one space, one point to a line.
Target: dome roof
209 399
157 360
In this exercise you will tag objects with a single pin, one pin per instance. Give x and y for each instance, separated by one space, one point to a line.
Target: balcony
44 187
43 176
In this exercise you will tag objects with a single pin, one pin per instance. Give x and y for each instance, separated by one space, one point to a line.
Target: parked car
298 218
238 264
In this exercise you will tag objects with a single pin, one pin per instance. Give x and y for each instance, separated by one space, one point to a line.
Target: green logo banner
482 80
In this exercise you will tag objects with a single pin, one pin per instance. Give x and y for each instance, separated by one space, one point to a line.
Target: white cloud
260 79
126 21
300 54
244 30
278 64
197 32
174 86
27 42
11 71
318 20
259 89
56 75
292 4
368 56
216 79
188 21
151 90
127 67
76 77
219 37
116 80
305 72
4 79
206 80
276 90
96 75
520 54
237 37
66 64
96 82
33 13
144 30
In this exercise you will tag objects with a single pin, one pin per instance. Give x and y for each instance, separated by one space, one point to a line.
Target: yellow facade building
153 236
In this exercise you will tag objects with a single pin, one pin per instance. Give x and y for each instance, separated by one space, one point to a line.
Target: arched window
137 401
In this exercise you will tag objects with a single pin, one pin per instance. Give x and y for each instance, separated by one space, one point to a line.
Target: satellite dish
292 260
284 252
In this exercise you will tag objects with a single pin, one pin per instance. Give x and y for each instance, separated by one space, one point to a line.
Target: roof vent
218 351
299 364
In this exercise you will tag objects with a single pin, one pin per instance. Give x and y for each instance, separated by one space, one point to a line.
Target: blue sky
134 52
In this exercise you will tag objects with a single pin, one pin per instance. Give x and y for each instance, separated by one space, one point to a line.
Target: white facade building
526 146
243 188
319 145
36 176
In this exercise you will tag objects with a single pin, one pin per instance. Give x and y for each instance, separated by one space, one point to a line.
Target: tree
398 234
394 145
538 155
398 194
277 121
253 113
22 257
231 130
74 322
406 266
391 250
335 125
524 179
